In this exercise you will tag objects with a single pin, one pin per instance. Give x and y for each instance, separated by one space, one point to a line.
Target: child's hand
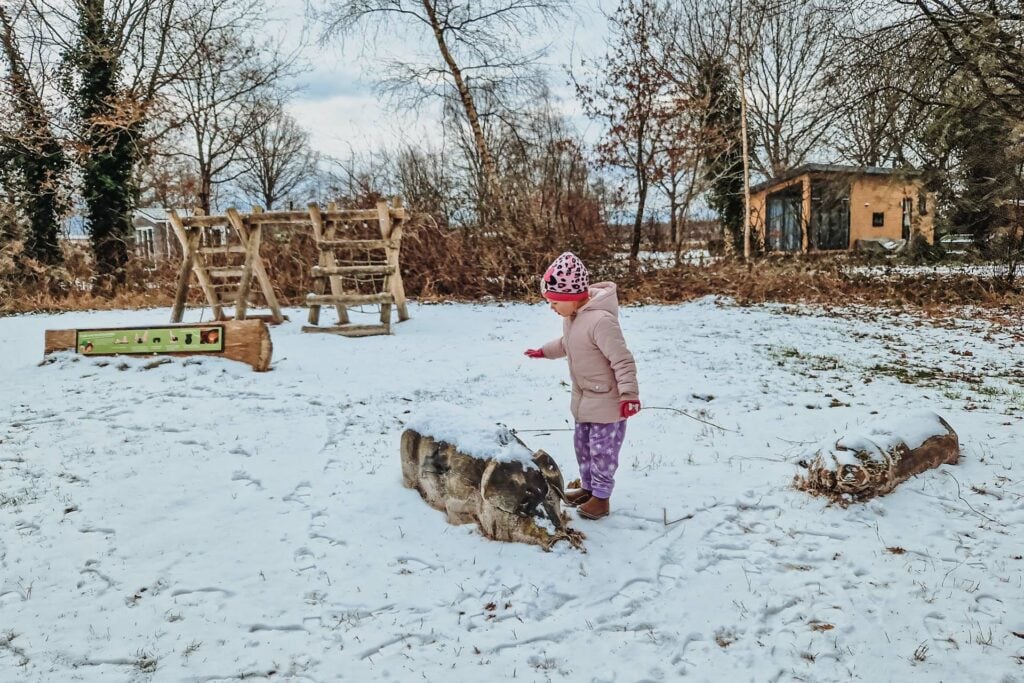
534 353
628 409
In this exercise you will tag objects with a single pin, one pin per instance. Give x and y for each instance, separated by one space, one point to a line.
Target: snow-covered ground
197 521
667 259
939 270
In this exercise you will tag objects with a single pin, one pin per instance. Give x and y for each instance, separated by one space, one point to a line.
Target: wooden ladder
224 253
350 266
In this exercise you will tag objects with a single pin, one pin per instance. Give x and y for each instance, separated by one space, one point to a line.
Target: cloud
342 125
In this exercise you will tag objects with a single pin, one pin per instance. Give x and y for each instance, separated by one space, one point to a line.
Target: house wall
165 244
868 194
885 194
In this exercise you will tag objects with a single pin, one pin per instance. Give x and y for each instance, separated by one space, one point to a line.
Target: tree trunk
205 192
490 170
634 249
111 148
41 162
746 165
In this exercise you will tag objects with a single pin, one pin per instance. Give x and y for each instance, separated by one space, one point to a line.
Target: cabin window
922 203
877 219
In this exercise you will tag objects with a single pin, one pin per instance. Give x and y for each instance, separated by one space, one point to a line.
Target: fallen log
860 466
482 473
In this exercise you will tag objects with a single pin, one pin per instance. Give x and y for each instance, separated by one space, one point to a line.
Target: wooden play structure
359 261
224 253
358 253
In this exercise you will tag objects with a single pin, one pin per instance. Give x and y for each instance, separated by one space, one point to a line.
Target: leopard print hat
566 279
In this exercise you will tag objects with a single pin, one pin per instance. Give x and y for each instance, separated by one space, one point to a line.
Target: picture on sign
202 339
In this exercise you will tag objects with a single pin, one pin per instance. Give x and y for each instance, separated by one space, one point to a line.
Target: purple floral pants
597 452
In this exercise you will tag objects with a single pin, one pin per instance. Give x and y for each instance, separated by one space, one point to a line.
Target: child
604 387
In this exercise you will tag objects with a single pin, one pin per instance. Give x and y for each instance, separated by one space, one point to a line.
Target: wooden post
384 216
252 252
185 270
318 286
195 262
266 286
326 260
397 287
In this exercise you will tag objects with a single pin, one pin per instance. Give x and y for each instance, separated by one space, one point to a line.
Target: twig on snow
960 496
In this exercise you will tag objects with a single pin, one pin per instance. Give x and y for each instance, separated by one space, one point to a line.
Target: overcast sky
338 104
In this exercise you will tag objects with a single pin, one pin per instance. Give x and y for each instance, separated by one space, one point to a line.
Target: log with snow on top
860 465
479 471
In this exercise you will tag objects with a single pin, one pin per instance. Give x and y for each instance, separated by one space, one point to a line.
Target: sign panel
199 339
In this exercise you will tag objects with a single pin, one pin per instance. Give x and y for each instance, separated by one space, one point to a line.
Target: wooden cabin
821 207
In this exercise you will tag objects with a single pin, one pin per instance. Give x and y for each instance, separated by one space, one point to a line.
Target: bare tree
626 94
276 157
983 38
225 73
887 67
962 86
428 182
479 46
167 180
788 80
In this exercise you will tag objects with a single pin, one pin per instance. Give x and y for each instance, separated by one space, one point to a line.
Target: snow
880 438
937 271
197 521
469 432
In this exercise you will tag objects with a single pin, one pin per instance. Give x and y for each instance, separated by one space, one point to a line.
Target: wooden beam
324 271
359 244
204 221
349 299
230 249
350 330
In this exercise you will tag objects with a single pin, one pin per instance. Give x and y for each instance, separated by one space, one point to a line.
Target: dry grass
439 264
819 281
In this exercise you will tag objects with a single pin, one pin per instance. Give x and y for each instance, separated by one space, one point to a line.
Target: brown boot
595 508
574 497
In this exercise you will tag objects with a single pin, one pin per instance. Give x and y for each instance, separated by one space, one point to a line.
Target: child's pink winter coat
601 367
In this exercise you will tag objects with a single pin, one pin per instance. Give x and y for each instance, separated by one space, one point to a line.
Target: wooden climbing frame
359 262
224 253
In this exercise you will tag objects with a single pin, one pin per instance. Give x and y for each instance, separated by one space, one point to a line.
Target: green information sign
205 338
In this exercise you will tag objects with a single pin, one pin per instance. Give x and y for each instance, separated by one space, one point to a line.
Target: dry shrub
29 286
501 263
820 280
439 262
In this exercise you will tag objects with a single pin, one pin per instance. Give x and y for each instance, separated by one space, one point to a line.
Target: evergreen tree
724 150
35 157
110 130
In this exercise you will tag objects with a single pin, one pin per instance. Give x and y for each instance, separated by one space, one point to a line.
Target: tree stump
857 467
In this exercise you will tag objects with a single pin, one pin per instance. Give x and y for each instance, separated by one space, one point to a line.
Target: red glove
628 409
534 353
